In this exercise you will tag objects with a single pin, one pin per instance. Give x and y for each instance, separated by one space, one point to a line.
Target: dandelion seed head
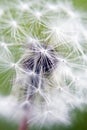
48 81
24 6
3 45
43 51
52 6
38 14
14 65
1 12
42 58
31 40
14 24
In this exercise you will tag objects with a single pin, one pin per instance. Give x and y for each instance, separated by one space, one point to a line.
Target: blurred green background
79 118
79 122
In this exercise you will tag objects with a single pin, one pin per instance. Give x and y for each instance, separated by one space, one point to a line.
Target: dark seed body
39 63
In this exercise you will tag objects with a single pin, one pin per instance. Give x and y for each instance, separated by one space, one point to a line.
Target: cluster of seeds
43 57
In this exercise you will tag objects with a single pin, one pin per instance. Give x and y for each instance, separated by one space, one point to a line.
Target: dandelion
43 54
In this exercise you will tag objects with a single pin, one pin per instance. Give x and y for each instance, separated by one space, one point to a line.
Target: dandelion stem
23 124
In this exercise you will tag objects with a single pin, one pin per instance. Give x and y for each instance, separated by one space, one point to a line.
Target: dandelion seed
24 6
3 45
52 7
1 12
13 23
42 58
38 14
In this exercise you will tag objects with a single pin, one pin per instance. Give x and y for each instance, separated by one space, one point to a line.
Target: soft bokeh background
79 117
